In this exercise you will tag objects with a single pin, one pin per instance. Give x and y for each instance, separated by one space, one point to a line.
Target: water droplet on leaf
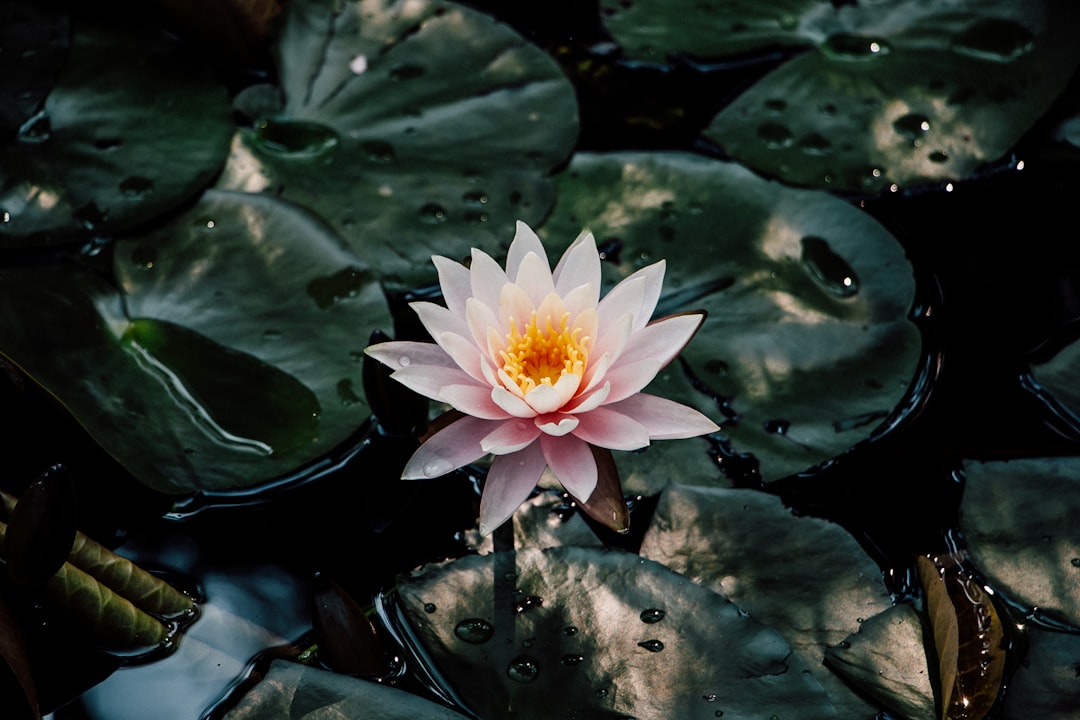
774 135
429 608
994 39
523 670
651 645
912 125
343 284
432 214
37 129
474 630
136 186
652 615
378 152
830 270
848 47
297 138
571 660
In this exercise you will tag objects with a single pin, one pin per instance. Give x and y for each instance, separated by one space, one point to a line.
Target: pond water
872 202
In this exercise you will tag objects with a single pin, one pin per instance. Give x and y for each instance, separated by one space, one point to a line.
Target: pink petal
511 403
613 336
587 401
610 429
510 480
465 354
627 296
662 339
631 378
549 398
525 242
402 353
429 380
454 280
556 424
534 278
579 265
665 419
581 304
481 320
595 373
474 400
509 437
455 445
572 462
515 306
486 278
438 320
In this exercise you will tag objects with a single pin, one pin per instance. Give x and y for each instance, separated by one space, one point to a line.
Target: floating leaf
415 128
887 660
289 690
807 347
133 128
809 580
1027 546
224 359
1046 685
579 631
346 637
968 639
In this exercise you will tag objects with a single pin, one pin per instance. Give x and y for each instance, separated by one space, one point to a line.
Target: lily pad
577 631
1059 376
35 42
887 659
811 581
1028 547
807 347
415 128
289 690
133 127
229 356
1046 685
888 94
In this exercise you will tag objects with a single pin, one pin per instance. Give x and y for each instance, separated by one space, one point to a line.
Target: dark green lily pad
1026 545
414 128
34 38
807 337
289 690
231 355
568 631
133 128
888 94
1046 685
811 581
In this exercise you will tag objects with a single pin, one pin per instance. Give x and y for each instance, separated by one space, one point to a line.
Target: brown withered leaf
968 638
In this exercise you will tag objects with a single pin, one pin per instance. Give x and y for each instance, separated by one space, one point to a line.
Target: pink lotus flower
542 369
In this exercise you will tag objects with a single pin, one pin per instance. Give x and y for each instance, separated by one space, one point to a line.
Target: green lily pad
230 356
1028 547
1060 377
133 128
811 581
567 632
888 94
35 42
1046 685
887 660
414 128
807 337
289 690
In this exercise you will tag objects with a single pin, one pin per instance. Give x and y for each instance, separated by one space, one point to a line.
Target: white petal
486 278
585 402
454 280
557 425
572 462
515 306
665 419
534 278
428 380
510 480
613 336
626 298
579 265
511 403
474 400
402 353
463 352
662 339
525 242
631 378
510 436
438 320
481 320
611 429
455 445
581 302
549 398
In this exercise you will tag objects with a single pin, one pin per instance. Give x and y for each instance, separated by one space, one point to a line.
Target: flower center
541 355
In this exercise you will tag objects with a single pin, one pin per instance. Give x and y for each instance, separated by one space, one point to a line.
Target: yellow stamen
540 356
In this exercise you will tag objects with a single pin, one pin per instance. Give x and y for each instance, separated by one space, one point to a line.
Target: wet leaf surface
196 374
541 633
805 577
1046 685
41 528
346 637
413 128
290 690
807 347
1028 548
35 39
894 93
91 163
